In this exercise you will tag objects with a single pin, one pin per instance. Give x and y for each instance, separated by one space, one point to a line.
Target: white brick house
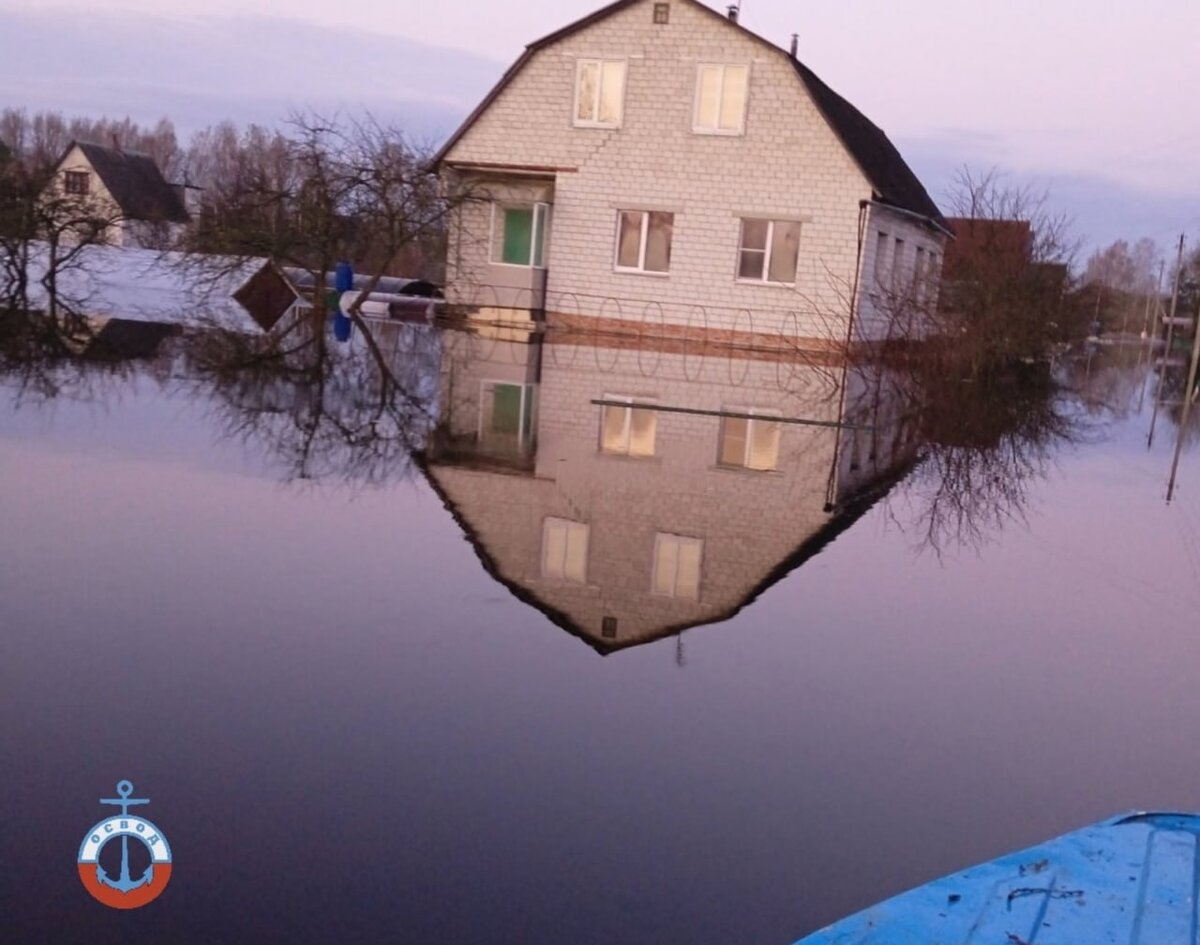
659 166
128 189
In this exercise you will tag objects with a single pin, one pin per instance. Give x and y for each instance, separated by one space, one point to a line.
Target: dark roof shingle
136 184
892 178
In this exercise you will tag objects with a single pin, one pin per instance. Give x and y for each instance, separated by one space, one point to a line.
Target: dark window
608 628
662 13
77 182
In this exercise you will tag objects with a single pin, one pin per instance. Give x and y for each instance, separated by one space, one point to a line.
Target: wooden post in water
1188 399
1170 341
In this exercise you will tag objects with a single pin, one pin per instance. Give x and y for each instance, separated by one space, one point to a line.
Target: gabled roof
891 178
839 521
135 182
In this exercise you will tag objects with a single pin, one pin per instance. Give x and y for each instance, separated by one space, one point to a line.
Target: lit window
564 550
750 440
519 234
721 100
769 251
599 93
628 430
77 183
677 566
644 240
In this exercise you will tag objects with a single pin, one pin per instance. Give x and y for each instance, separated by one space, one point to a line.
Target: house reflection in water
633 489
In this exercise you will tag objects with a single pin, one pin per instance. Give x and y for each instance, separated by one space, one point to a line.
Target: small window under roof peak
662 13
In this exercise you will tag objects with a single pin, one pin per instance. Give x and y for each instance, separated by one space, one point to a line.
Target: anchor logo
125 892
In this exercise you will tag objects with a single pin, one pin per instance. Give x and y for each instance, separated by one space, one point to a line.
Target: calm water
370 705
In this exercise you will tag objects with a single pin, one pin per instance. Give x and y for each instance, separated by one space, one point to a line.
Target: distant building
129 187
996 253
995 245
657 166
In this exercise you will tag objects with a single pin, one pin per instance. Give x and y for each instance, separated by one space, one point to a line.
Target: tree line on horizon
317 190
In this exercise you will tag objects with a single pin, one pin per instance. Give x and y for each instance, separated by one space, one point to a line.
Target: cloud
1103 209
201 70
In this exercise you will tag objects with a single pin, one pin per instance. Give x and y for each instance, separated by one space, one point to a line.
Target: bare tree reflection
986 442
350 411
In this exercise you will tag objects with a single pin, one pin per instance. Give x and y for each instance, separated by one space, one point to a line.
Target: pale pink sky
1058 84
1060 89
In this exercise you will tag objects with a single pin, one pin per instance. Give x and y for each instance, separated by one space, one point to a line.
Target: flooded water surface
538 641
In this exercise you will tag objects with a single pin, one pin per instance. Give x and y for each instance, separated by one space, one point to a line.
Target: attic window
662 14
608 628
599 93
76 183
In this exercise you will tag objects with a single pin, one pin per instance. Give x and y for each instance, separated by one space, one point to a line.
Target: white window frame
767 257
596 123
699 129
641 269
660 538
553 522
541 224
750 414
631 404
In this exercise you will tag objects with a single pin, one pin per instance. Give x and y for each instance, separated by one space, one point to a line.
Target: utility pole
1170 341
1188 399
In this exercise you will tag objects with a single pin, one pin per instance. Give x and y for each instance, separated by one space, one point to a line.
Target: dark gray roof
894 181
136 184
891 178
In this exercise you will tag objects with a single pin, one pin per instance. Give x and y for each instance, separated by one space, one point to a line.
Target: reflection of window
506 413
628 430
599 93
769 251
721 99
677 566
750 442
77 182
644 240
564 550
519 234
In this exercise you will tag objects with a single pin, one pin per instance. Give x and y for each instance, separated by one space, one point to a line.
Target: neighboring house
129 188
630 492
996 253
1001 246
658 166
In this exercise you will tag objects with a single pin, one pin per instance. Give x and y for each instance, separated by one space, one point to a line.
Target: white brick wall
788 164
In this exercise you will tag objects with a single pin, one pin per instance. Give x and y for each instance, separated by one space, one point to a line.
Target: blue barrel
343 278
